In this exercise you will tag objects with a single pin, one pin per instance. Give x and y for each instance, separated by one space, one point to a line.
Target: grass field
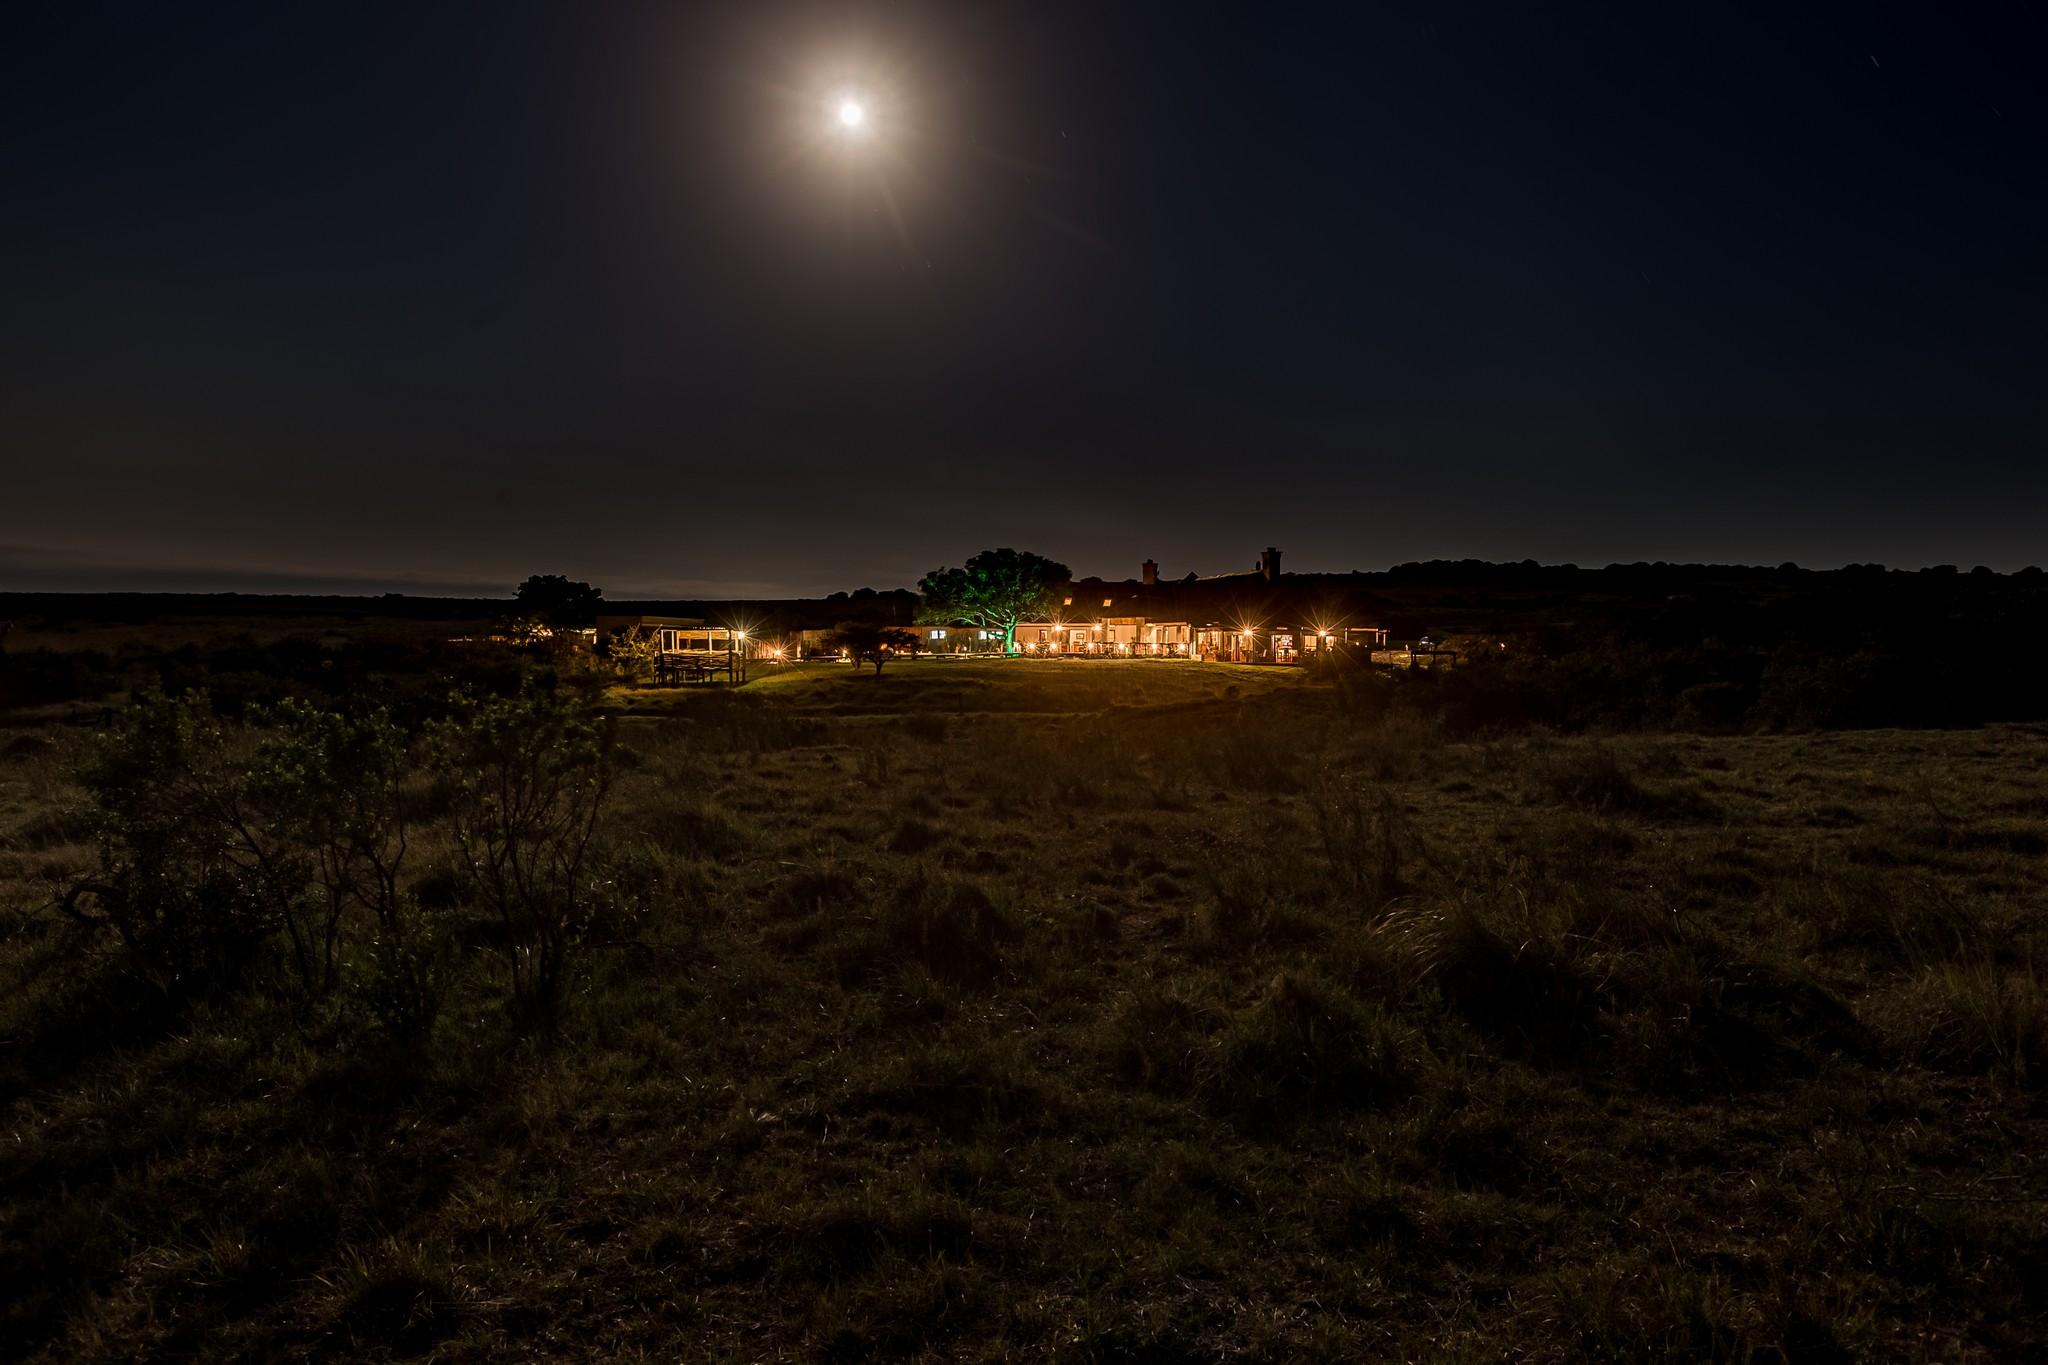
978 686
1107 1012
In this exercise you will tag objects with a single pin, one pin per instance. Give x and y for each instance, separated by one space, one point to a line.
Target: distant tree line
1848 651
1693 647
412 677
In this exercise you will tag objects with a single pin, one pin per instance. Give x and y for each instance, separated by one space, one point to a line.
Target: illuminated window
1110 635
1067 601
938 635
1105 601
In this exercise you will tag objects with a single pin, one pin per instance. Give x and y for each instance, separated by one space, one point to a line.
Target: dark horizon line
1409 569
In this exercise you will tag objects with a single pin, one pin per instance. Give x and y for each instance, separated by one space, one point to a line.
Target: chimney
1150 574
1269 563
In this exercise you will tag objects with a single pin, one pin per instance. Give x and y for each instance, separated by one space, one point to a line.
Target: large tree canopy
994 590
559 600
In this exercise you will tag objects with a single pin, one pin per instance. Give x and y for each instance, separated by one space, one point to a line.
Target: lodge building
1259 616
1256 617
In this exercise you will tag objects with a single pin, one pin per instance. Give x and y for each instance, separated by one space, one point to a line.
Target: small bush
950 928
1601 779
1361 833
914 835
185 896
809 892
527 779
1701 1013
689 827
1156 1041
1593 776
1891 920
1523 988
399 1300
956 1085
845 1237
1398 745
1628 1316
875 765
1253 758
1245 912
1974 1019
1307 1046
49 829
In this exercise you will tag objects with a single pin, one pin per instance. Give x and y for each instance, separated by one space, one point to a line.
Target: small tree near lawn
873 644
632 653
994 590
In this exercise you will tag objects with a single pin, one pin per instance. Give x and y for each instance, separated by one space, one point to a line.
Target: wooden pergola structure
687 649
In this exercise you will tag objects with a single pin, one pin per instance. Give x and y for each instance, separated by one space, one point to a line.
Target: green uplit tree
994 590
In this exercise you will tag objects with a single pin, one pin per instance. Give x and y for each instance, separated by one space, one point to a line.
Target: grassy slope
1081 1009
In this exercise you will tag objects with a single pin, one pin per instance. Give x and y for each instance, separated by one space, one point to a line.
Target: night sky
431 297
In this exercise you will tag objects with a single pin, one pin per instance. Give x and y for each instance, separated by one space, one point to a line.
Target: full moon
852 114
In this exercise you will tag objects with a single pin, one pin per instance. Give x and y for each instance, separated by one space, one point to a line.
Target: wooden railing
693 666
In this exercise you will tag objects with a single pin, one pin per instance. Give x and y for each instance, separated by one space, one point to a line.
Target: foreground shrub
526 781
321 812
216 837
185 893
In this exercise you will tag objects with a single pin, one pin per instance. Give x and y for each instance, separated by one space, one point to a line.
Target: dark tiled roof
1300 599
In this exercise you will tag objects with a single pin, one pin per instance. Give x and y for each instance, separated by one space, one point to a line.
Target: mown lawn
1108 1011
965 686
